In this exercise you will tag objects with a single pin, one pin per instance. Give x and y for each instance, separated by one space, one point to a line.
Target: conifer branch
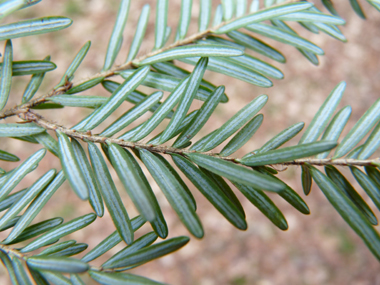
189 40
31 116
113 71
206 169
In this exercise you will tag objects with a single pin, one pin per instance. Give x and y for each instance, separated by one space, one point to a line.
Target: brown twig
39 120
87 136
336 162
108 73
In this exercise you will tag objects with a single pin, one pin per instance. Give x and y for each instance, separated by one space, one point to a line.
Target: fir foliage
218 46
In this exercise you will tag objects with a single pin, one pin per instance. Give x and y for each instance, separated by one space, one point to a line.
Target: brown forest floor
317 249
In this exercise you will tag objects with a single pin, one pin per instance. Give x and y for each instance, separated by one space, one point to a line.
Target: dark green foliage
136 155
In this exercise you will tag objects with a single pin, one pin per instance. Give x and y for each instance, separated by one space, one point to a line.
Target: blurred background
317 249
